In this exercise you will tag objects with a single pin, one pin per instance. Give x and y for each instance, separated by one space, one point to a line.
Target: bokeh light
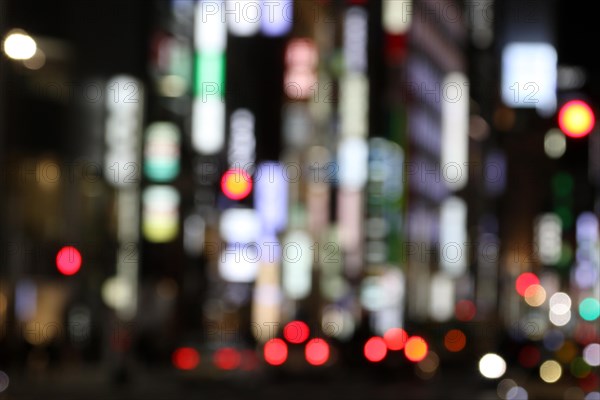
227 358
415 348
18 45
236 184
492 366
68 260
395 338
555 143
4 381
465 310
296 332
504 386
275 351
591 354
553 339
316 351
517 393
185 358
525 280
580 368
589 309
455 340
550 371
535 295
375 349
576 118
529 356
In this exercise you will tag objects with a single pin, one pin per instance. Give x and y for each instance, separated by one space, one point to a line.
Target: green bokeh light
589 309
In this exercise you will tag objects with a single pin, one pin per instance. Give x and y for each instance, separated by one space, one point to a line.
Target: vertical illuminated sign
208 108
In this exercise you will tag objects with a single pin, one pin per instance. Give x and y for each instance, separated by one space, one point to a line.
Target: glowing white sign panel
455 129
453 236
210 30
548 234
529 76
208 125
239 225
242 142
297 265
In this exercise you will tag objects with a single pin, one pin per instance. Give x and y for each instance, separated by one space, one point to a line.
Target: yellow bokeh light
535 295
550 371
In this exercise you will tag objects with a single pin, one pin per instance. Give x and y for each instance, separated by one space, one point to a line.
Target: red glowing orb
316 352
296 332
227 358
275 352
525 280
375 349
68 260
185 358
465 310
395 338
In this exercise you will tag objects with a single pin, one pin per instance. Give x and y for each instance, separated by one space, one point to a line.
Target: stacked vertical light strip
586 273
271 203
208 108
160 202
124 105
352 148
455 130
453 236
548 237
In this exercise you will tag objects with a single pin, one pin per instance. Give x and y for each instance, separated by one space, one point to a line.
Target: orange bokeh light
416 348
455 340
576 119
236 184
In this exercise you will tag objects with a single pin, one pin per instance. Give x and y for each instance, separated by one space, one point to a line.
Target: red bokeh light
296 332
236 184
316 351
455 340
465 310
275 351
68 260
185 358
525 280
227 358
395 338
529 356
375 349
249 360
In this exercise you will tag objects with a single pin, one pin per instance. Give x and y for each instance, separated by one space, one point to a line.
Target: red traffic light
576 119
